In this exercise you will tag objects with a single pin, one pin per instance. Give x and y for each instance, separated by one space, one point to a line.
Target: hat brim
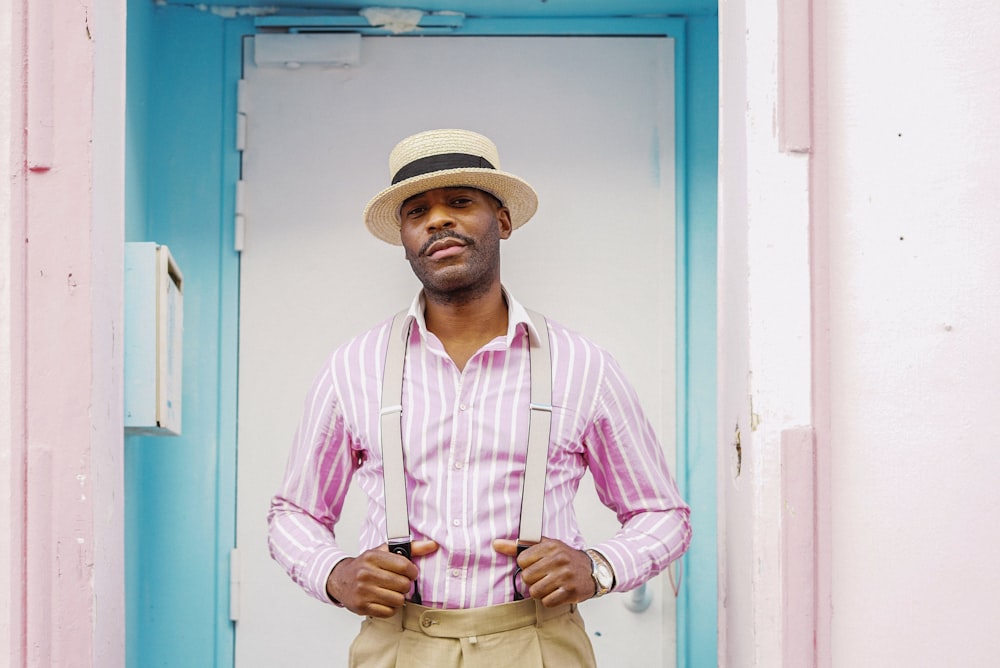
382 212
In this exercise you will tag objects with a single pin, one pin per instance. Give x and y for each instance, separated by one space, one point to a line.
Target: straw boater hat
442 159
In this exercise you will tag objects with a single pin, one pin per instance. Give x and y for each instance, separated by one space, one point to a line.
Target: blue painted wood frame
183 165
180 492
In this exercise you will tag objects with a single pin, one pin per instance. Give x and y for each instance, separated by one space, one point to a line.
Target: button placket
462 420
459 475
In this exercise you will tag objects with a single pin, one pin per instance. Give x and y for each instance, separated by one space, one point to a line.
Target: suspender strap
397 519
536 462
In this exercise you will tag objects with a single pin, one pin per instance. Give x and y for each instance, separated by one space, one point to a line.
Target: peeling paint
231 12
737 453
754 417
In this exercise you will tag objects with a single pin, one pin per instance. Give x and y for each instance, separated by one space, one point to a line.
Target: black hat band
439 163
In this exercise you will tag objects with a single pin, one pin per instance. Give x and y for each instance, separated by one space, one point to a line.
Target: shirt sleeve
633 479
304 512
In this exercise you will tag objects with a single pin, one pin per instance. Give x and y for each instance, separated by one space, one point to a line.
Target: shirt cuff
322 566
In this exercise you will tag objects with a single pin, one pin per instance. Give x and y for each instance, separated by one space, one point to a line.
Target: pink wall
912 150
892 216
765 435
11 343
61 299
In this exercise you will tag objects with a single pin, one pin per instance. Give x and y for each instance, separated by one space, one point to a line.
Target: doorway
588 121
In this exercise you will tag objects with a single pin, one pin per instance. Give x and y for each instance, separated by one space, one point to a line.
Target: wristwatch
601 571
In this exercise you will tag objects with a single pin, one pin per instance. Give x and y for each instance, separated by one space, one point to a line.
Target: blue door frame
183 68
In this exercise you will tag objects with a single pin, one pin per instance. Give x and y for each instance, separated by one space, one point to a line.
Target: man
451 597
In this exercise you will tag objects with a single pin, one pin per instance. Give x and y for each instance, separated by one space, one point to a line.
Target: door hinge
241 115
239 220
234 585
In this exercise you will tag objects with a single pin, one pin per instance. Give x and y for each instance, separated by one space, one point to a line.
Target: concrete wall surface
862 410
61 514
912 193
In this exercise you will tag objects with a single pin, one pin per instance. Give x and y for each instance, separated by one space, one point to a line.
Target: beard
464 280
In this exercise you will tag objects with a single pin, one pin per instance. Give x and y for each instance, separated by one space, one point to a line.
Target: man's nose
439 217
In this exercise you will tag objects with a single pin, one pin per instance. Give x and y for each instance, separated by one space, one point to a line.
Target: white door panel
589 123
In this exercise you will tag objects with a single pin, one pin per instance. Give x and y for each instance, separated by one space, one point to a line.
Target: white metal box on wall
154 308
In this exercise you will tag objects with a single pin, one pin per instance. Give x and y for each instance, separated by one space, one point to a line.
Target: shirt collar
517 315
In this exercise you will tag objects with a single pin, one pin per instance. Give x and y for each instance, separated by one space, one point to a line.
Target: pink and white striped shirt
465 439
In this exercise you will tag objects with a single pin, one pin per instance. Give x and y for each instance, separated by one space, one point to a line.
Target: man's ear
503 220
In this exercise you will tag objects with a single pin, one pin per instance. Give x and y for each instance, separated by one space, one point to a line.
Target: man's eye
415 211
461 201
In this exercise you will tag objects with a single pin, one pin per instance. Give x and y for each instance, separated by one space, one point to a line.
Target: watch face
604 576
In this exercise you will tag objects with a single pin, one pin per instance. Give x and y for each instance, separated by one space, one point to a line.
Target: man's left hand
554 572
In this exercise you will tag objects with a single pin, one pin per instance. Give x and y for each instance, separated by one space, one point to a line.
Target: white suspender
397 518
537 459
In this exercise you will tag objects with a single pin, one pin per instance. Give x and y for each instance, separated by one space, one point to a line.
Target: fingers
506 547
421 548
554 572
377 581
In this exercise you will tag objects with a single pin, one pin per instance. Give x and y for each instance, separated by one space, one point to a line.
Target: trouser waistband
476 621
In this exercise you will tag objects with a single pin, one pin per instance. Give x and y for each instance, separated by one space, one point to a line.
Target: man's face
451 237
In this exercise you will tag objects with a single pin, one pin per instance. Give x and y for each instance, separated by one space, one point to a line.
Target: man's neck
463 328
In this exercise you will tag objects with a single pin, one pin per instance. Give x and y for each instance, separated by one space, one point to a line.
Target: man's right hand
377 581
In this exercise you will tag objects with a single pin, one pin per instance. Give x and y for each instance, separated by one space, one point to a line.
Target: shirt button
458 465
461 407
455 572
456 523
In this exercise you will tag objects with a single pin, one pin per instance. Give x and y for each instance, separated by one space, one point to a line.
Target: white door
589 122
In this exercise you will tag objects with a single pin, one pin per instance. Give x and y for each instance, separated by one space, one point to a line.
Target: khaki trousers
524 634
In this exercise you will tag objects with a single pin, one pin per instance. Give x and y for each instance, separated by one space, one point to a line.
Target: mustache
445 234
